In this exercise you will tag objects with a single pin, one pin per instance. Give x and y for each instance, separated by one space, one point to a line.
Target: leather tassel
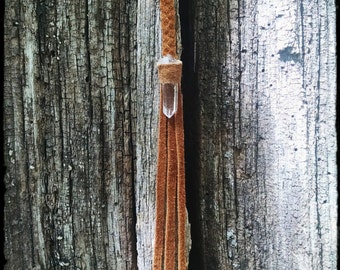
170 230
170 234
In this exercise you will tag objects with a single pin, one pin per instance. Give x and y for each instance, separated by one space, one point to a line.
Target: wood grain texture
267 171
148 53
70 125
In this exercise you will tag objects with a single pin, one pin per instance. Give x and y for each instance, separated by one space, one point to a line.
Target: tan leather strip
161 180
171 200
181 196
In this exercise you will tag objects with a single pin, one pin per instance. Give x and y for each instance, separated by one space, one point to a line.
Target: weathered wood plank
266 80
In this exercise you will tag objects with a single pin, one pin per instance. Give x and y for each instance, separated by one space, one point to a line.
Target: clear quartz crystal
170 99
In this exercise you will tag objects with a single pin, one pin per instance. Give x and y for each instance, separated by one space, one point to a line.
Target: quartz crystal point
170 99
169 72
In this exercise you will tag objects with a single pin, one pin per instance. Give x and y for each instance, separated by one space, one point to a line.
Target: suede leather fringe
170 234
170 246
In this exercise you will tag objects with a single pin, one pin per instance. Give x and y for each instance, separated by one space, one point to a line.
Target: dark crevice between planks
2 162
191 111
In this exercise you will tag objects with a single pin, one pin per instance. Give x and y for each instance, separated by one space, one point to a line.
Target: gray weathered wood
266 79
70 134
148 52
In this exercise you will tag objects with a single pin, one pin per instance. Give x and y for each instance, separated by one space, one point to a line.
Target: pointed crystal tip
170 99
168 112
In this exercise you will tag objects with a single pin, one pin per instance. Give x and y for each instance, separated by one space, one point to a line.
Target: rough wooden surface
80 133
70 129
266 187
148 53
